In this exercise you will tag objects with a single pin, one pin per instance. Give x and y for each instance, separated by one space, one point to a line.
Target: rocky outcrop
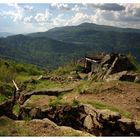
85 118
124 76
114 66
46 127
6 109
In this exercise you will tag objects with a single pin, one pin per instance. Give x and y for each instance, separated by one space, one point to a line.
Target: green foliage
9 70
54 102
75 43
9 128
134 62
7 73
6 89
16 109
2 98
75 102
89 87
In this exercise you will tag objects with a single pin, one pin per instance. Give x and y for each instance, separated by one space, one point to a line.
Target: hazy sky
25 18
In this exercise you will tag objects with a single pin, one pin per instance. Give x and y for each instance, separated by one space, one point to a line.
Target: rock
89 110
116 76
137 79
137 127
126 125
68 131
82 116
88 122
106 59
90 75
35 113
63 130
108 115
6 108
128 77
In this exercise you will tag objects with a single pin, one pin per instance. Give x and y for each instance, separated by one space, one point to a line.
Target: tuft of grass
75 102
54 102
16 109
2 98
89 87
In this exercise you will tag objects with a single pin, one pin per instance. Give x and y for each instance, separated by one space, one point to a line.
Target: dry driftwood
50 92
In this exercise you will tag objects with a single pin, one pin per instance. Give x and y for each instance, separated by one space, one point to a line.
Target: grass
75 102
54 102
2 98
89 87
99 105
8 127
16 109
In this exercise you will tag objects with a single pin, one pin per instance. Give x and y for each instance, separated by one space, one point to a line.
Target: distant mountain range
62 44
5 34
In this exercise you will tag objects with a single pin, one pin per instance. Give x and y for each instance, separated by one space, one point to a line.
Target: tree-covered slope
103 38
41 51
58 46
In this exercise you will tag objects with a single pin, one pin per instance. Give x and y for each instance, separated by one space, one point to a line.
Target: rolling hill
99 37
41 51
60 45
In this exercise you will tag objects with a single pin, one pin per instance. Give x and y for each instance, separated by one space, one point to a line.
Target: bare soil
122 95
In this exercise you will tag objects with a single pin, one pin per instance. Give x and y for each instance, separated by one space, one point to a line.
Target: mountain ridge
59 46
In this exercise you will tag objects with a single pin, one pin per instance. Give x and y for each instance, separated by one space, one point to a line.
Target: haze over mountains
60 45
5 34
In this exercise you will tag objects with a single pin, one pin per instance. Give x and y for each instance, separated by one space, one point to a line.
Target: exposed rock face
6 109
86 118
124 76
114 66
46 127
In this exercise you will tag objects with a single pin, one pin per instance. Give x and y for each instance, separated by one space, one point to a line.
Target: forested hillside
59 46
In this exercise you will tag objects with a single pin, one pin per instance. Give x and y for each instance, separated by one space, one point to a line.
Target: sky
37 17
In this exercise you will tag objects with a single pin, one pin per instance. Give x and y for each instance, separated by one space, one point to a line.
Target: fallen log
49 92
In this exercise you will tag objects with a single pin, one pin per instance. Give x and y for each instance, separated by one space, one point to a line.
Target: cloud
109 7
28 19
42 17
76 8
60 6
27 7
77 19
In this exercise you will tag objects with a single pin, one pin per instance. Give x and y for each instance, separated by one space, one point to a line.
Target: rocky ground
38 111
76 104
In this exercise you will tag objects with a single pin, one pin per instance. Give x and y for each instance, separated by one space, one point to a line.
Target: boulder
88 122
126 125
93 113
35 113
108 115
116 76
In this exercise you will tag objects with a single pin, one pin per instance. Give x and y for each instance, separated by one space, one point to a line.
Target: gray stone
126 125
35 113
88 123
108 115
